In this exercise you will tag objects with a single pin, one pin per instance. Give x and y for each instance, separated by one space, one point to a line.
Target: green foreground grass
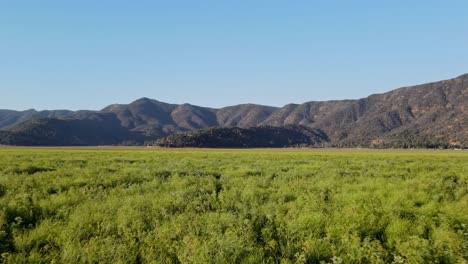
85 206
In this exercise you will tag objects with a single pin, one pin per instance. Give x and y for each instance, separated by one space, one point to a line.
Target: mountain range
427 115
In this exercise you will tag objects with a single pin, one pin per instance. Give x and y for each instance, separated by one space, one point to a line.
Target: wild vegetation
173 206
255 137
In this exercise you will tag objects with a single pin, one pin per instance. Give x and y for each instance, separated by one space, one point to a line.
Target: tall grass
62 206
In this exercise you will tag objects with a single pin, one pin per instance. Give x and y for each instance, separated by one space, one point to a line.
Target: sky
88 54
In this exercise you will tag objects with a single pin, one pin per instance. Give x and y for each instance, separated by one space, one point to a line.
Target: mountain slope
244 115
10 118
427 115
434 110
95 129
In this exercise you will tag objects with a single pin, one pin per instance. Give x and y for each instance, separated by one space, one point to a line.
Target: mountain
427 115
245 115
10 118
92 129
255 137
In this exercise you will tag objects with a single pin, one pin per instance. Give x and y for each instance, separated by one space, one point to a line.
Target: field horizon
206 132
279 149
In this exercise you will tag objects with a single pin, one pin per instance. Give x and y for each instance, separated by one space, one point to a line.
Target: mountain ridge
434 111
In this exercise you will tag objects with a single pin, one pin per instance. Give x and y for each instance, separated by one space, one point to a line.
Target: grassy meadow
255 206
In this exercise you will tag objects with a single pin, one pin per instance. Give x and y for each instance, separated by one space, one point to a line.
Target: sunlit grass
125 206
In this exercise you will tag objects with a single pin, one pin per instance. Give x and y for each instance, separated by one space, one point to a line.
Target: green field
186 206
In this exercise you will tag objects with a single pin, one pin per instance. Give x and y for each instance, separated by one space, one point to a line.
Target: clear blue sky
87 54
